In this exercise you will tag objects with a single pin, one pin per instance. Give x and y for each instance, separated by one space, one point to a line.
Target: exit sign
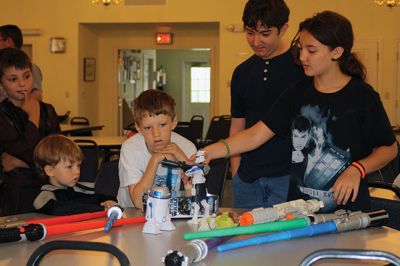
164 38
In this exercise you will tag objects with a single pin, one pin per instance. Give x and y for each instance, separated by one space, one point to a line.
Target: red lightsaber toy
40 228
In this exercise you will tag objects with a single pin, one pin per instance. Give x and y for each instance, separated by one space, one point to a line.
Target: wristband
360 168
228 149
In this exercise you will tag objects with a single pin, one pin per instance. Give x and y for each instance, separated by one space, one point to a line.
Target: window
200 84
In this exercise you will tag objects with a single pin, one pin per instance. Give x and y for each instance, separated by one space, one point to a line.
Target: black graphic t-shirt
328 131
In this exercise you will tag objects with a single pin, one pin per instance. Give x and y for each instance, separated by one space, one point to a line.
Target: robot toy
158 217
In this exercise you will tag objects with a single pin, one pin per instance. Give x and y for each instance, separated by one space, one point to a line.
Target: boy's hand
157 157
174 150
32 108
108 204
348 182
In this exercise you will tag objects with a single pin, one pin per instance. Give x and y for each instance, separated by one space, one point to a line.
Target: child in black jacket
58 159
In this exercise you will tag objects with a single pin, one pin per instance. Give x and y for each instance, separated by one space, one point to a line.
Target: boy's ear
48 170
283 29
174 122
137 127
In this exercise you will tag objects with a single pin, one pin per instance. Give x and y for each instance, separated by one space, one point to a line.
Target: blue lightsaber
353 221
312 230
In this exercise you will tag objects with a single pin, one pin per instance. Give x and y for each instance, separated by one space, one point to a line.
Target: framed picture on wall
89 69
57 45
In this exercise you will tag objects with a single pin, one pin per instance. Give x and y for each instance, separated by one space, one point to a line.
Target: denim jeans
263 192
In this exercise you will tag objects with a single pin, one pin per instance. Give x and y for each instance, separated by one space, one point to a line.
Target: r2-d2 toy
157 211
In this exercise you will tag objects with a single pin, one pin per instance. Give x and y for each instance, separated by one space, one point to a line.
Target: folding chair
215 180
185 130
197 124
80 120
64 117
107 181
218 129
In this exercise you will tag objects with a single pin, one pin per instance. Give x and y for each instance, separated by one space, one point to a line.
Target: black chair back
218 129
185 130
64 117
107 181
80 120
215 179
197 124
90 163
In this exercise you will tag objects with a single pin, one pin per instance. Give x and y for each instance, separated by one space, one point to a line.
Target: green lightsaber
250 229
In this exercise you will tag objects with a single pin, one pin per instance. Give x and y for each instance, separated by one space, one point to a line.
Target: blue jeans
263 192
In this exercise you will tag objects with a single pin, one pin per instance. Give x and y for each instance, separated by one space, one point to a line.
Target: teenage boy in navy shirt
261 177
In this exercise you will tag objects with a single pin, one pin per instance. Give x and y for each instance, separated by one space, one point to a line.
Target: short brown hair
53 149
153 102
13 57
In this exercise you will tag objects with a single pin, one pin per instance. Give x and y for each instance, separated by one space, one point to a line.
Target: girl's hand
348 182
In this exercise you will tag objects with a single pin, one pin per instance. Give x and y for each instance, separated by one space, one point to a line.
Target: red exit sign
164 38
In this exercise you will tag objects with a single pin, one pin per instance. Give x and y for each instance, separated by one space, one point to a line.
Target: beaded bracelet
360 168
228 149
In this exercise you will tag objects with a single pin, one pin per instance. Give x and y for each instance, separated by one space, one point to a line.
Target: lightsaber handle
378 218
318 229
176 164
114 213
30 232
192 252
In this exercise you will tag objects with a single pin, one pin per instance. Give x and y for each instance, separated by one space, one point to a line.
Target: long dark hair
333 30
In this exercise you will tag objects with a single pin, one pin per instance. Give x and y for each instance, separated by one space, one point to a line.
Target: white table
144 249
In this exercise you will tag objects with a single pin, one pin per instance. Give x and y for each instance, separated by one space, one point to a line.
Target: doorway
169 70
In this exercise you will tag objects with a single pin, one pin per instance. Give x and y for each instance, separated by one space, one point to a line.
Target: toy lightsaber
250 229
34 232
298 207
353 221
57 220
194 251
114 213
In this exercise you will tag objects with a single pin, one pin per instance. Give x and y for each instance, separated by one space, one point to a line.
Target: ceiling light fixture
106 2
388 3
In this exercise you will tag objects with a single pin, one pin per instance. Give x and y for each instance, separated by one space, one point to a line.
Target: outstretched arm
243 141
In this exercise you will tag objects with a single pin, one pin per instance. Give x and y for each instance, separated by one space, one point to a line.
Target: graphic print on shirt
316 161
